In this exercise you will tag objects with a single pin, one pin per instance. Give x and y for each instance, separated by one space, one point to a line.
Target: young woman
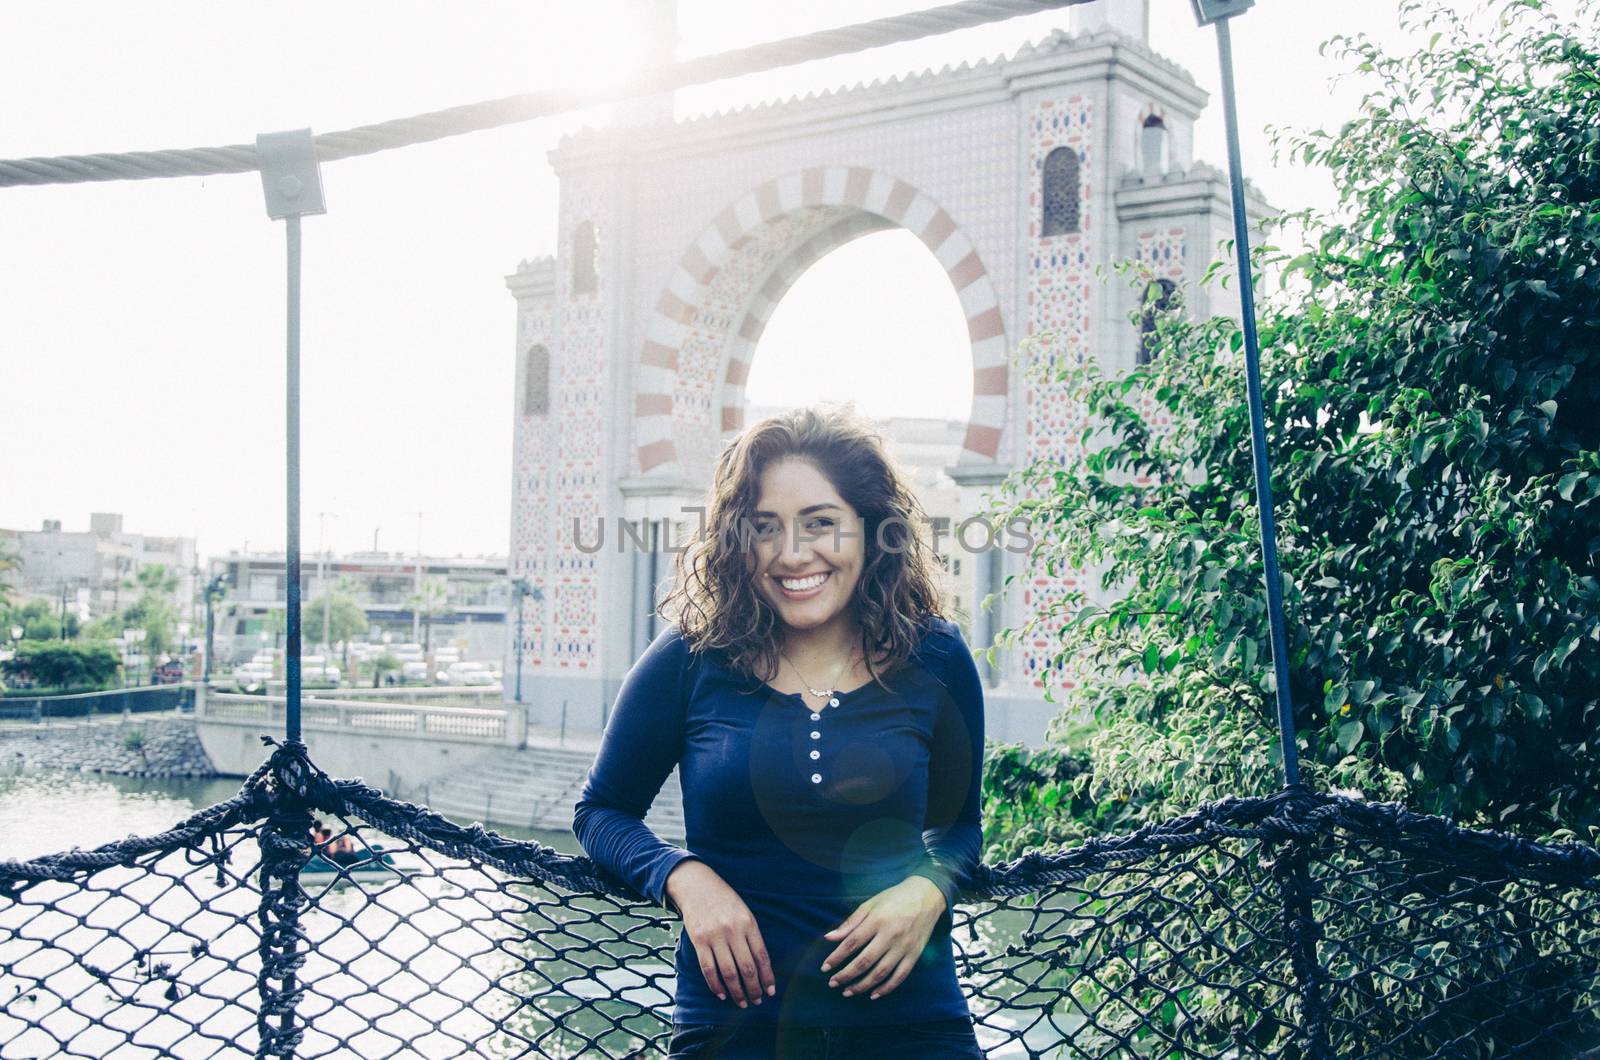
827 722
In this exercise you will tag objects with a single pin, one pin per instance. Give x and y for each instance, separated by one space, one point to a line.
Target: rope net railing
1296 925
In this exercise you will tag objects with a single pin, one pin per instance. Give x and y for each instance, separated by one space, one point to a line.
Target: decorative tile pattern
531 511
581 413
1163 253
1061 291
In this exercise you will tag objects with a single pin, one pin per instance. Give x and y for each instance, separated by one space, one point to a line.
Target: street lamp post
134 638
1219 13
322 583
214 592
194 599
521 590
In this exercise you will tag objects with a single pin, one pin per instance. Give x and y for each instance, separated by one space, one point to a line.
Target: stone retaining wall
141 745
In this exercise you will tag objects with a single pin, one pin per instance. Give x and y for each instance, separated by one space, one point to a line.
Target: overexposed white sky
141 322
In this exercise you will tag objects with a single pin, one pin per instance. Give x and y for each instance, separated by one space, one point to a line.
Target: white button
816 717
834 702
815 735
816 778
815 755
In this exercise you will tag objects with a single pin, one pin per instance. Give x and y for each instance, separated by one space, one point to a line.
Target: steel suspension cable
510 110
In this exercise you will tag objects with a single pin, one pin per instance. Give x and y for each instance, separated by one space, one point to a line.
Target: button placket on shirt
816 735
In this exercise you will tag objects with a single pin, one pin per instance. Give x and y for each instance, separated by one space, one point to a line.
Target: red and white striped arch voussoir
885 202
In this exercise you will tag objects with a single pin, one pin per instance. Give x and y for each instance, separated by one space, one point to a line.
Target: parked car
414 670
252 673
168 673
318 668
469 673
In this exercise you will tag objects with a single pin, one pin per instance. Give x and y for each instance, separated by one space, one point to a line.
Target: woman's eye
820 523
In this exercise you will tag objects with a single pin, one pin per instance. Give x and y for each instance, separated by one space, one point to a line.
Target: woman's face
809 545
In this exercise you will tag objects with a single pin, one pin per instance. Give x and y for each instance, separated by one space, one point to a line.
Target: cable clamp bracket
290 174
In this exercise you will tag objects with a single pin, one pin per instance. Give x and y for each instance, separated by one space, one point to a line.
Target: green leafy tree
1431 371
153 611
156 578
40 620
155 614
383 664
345 619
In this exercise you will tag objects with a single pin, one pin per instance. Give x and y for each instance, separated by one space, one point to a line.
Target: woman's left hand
887 934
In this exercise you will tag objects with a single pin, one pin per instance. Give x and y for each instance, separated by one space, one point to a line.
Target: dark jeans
947 1039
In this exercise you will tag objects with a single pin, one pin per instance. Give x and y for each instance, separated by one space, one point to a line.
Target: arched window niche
1059 185
1153 147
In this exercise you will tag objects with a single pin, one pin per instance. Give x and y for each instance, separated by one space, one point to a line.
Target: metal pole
416 587
519 647
211 627
322 585
293 187
292 448
1258 435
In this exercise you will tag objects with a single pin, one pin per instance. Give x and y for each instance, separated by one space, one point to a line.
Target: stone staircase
535 787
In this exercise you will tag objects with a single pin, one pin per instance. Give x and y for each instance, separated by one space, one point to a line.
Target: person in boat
320 834
826 718
343 850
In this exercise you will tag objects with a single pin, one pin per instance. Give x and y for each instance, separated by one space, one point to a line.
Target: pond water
417 960
44 811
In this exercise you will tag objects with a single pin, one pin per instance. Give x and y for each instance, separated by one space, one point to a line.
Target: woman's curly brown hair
714 599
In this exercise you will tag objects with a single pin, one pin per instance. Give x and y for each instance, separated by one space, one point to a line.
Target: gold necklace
822 693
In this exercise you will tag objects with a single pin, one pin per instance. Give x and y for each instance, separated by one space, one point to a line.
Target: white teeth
800 585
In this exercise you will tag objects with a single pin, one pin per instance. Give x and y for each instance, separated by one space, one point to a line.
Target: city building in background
94 572
459 601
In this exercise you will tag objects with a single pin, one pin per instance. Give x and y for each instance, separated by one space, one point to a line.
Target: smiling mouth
802 588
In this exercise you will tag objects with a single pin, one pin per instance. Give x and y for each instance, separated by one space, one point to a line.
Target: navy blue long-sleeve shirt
805 810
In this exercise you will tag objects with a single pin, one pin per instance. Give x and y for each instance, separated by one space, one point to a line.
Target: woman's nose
796 548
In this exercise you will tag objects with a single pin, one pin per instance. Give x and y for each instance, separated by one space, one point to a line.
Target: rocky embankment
140 745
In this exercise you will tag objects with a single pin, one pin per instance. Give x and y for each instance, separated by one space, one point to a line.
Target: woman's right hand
733 958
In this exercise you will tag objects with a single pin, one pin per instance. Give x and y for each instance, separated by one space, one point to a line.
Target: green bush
39 620
64 664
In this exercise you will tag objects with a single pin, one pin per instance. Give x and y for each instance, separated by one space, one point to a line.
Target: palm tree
431 600
278 622
156 579
9 561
